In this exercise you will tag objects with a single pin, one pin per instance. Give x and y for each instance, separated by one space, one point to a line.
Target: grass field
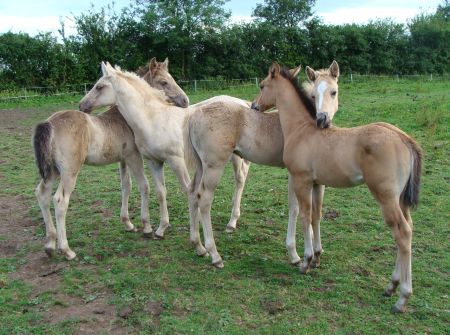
122 283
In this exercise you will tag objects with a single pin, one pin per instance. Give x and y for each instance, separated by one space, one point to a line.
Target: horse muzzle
82 107
323 120
181 101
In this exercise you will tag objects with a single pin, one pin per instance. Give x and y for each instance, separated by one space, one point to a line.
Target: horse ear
152 65
274 70
310 73
295 71
104 69
334 69
107 69
166 64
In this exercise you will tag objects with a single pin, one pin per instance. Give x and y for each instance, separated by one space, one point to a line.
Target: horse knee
161 194
239 178
144 189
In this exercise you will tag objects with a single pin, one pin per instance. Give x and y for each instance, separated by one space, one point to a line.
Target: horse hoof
205 254
147 235
50 252
388 293
70 255
315 264
218 264
132 230
296 263
304 270
397 310
230 230
158 237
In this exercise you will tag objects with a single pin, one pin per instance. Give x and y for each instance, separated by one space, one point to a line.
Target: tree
181 24
34 61
106 35
430 36
284 13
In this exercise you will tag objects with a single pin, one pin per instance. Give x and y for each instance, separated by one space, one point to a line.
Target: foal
379 154
215 134
69 139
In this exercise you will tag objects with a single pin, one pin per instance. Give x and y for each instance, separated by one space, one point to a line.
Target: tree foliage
284 13
200 42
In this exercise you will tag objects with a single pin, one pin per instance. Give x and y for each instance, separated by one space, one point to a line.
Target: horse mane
308 88
143 86
301 92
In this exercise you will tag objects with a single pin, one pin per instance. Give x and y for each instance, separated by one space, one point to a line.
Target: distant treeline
200 42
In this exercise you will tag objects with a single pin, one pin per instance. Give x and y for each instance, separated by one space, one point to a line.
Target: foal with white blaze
213 136
379 154
69 139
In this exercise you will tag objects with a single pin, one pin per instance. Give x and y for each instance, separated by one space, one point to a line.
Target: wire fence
206 85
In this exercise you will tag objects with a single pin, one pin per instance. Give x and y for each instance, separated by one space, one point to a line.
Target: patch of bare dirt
44 275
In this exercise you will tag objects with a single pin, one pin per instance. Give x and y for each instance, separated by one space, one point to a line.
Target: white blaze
321 90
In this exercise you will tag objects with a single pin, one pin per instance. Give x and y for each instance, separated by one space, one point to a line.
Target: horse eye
164 83
99 87
333 93
261 86
313 97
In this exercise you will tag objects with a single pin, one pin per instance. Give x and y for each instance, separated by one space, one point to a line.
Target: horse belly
263 156
104 150
101 157
338 176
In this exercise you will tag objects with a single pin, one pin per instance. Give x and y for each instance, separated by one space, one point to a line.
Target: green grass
257 291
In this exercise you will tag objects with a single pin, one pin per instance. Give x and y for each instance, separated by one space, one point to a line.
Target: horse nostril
323 120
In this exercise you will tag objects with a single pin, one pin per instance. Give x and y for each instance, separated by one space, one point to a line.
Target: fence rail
205 85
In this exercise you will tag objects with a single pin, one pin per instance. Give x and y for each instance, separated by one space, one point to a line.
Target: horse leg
157 169
210 179
194 215
392 286
303 191
178 166
125 183
240 167
44 194
402 232
317 200
61 202
136 166
294 258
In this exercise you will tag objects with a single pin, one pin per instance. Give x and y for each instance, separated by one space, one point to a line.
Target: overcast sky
34 16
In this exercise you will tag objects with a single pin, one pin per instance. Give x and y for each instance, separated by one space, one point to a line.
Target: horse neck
133 106
292 111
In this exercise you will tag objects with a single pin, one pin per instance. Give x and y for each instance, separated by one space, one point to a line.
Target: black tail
410 195
42 149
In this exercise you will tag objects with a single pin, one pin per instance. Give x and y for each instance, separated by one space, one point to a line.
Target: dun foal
69 139
215 134
379 154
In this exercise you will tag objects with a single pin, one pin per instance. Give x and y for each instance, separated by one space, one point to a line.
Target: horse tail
191 156
410 195
43 149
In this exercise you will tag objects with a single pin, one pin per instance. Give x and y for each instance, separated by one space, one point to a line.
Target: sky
34 16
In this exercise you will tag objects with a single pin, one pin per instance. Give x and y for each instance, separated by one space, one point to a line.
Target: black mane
304 97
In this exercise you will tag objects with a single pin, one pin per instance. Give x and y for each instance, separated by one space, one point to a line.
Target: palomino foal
69 139
213 136
379 154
